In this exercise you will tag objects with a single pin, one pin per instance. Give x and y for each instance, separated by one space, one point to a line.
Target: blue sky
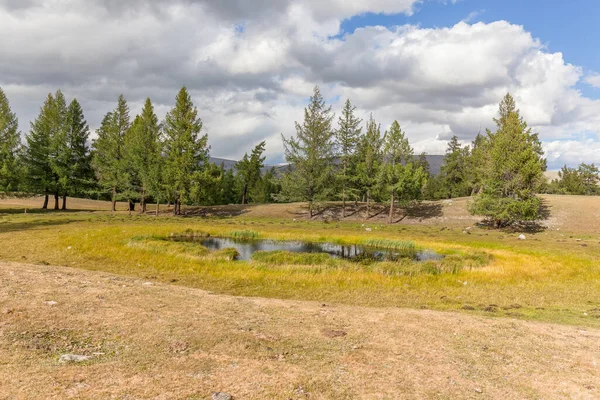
569 27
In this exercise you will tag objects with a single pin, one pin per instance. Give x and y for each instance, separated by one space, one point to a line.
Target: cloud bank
250 67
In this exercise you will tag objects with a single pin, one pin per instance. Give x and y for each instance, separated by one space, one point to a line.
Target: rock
368 229
50 303
147 284
221 396
478 390
72 358
522 237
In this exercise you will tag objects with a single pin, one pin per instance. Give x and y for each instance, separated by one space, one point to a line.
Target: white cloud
593 80
251 67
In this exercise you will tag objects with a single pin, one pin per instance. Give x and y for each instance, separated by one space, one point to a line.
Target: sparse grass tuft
277 258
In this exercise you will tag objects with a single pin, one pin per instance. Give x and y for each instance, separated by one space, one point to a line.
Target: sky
439 67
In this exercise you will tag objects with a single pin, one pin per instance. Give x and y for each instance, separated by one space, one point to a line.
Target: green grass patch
244 235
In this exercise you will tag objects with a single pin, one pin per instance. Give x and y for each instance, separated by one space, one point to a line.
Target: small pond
246 248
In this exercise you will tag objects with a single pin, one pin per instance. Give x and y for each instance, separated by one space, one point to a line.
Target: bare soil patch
151 340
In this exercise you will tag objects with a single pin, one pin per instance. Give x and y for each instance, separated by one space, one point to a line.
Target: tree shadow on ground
7 227
424 210
530 227
39 211
218 212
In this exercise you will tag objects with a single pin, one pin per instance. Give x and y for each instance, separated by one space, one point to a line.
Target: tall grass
244 235
400 245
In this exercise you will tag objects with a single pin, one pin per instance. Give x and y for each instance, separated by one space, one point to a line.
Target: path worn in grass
151 340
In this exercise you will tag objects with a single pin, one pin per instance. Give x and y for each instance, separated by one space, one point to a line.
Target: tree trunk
56 197
310 210
64 203
131 206
244 192
157 205
143 202
176 207
45 206
344 201
391 217
114 199
368 198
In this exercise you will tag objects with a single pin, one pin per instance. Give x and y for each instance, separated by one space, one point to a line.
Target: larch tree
109 159
60 151
347 137
186 150
81 175
400 176
369 160
310 155
10 147
36 158
249 170
143 151
454 171
513 171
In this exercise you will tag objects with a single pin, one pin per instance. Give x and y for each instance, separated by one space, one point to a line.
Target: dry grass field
159 341
166 320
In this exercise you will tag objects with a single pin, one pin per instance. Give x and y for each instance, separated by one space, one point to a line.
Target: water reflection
246 248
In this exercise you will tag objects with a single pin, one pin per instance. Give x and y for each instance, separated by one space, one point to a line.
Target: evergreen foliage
109 158
311 154
186 150
10 148
347 137
513 171
369 160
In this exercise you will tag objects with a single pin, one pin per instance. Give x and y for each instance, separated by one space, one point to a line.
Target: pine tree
81 178
228 194
109 159
310 155
60 152
10 147
454 171
513 171
370 157
143 148
401 178
40 178
347 137
185 150
249 170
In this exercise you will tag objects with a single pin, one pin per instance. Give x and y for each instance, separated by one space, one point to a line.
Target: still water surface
246 248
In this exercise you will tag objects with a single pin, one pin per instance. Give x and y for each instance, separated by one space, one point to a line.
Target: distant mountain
435 164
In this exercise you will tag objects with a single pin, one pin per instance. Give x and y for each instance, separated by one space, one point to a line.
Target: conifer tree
143 148
310 155
10 147
109 159
186 150
40 178
347 137
60 151
369 160
513 171
249 170
402 179
454 171
81 177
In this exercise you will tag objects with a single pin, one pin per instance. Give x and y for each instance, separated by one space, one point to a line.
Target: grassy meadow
552 276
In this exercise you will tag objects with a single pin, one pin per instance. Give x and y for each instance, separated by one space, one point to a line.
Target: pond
246 248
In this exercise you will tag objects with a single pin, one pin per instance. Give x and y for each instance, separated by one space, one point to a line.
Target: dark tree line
136 161
144 160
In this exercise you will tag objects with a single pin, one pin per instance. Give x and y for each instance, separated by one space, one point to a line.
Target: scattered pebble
50 303
221 396
72 358
522 237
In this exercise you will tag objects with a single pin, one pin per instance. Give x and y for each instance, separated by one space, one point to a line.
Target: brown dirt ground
158 341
